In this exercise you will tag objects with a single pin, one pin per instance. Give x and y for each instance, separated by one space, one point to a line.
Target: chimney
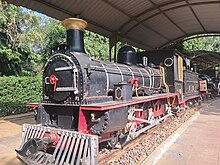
75 33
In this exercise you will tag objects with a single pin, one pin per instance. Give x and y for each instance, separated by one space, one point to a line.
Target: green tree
54 35
16 54
210 43
95 45
197 42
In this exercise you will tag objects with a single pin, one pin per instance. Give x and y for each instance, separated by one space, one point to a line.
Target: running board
72 148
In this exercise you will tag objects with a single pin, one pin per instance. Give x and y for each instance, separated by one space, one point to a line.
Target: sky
37 13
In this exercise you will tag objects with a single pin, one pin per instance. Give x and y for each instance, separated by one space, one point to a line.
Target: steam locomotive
87 101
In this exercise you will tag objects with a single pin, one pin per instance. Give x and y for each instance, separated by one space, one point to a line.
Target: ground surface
10 137
200 143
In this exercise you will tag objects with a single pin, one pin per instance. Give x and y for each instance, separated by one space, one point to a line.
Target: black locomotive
86 101
72 78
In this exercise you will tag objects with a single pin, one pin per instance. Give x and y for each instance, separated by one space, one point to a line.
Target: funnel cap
74 23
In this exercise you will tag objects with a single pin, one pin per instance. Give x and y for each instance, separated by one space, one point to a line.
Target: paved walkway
200 143
10 137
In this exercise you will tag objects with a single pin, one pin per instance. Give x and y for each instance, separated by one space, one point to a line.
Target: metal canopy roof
205 59
147 24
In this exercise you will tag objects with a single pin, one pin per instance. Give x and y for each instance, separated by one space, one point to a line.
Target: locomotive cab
177 74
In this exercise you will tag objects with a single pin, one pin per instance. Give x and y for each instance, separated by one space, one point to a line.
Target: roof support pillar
113 43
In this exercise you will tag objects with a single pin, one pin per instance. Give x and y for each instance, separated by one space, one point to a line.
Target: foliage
15 92
95 45
54 35
197 42
210 43
16 55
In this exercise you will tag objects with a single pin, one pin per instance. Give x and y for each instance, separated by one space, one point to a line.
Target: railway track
139 149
